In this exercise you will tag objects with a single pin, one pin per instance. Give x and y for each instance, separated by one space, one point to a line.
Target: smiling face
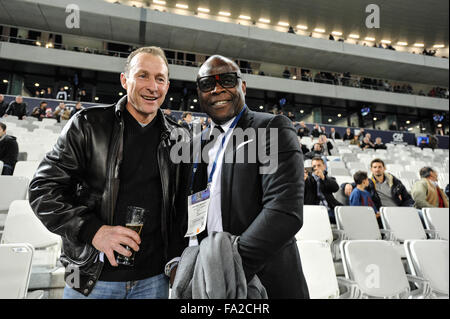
147 83
221 104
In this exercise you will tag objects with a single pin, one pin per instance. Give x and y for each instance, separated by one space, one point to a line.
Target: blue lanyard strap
213 169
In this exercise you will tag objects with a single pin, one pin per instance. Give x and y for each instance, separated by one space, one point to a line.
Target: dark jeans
156 287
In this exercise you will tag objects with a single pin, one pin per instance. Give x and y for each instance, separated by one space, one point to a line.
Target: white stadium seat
428 259
437 219
15 271
320 275
316 224
26 169
22 225
13 188
377 269
403 223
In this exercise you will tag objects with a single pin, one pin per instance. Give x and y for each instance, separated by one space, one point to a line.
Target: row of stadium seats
373 267
357 242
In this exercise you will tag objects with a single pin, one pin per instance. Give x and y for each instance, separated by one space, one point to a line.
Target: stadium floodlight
319 30
224 13
438 46
244 17
419 45
369 39
205 10
302 27
354 36
264 20
386 41
182 6
163 3
283 24
338 33
402 43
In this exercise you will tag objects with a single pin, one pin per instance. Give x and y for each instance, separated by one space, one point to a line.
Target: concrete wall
21 52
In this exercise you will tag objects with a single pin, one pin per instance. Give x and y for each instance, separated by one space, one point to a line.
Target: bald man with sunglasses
264 208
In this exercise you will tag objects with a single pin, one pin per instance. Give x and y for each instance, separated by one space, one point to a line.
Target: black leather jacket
77 183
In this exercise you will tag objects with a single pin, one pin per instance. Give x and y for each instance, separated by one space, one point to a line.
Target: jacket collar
387 177
166 126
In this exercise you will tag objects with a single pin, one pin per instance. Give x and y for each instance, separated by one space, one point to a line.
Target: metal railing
330 78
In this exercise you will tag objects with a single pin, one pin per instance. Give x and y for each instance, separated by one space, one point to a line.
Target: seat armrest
424 288
352 290
338 234
388 235
433 234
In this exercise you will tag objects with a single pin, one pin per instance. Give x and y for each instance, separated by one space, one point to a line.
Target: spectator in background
379 145
359 195
334 135
348 135
17 108
186 121
3 105
39 111
48 94
355 140
323 130
62 112
327 146
9 150
317 151
291 30
78 107
305 150
426 192
331 37
82 96
384 188
433 141
393 126
291 116
303 130
361 134
319 188
316 130
61 95
37 93
366 143
286 73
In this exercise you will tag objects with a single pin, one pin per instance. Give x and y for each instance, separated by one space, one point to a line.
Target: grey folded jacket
214 270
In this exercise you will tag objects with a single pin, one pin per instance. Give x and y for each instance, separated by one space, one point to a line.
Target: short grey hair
153 50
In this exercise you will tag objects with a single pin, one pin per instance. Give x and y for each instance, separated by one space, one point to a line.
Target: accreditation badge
198 204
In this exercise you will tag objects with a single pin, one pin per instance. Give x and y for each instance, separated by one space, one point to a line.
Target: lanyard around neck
213 169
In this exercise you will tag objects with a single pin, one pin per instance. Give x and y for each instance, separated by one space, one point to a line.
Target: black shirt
140 185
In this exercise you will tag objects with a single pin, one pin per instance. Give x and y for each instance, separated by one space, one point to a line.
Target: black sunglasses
226 80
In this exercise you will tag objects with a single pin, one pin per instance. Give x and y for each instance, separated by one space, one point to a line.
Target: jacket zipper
163 216
114 173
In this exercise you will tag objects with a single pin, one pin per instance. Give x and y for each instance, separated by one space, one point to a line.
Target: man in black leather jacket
106 159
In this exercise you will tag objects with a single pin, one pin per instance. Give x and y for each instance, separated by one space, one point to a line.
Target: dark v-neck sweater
140 185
